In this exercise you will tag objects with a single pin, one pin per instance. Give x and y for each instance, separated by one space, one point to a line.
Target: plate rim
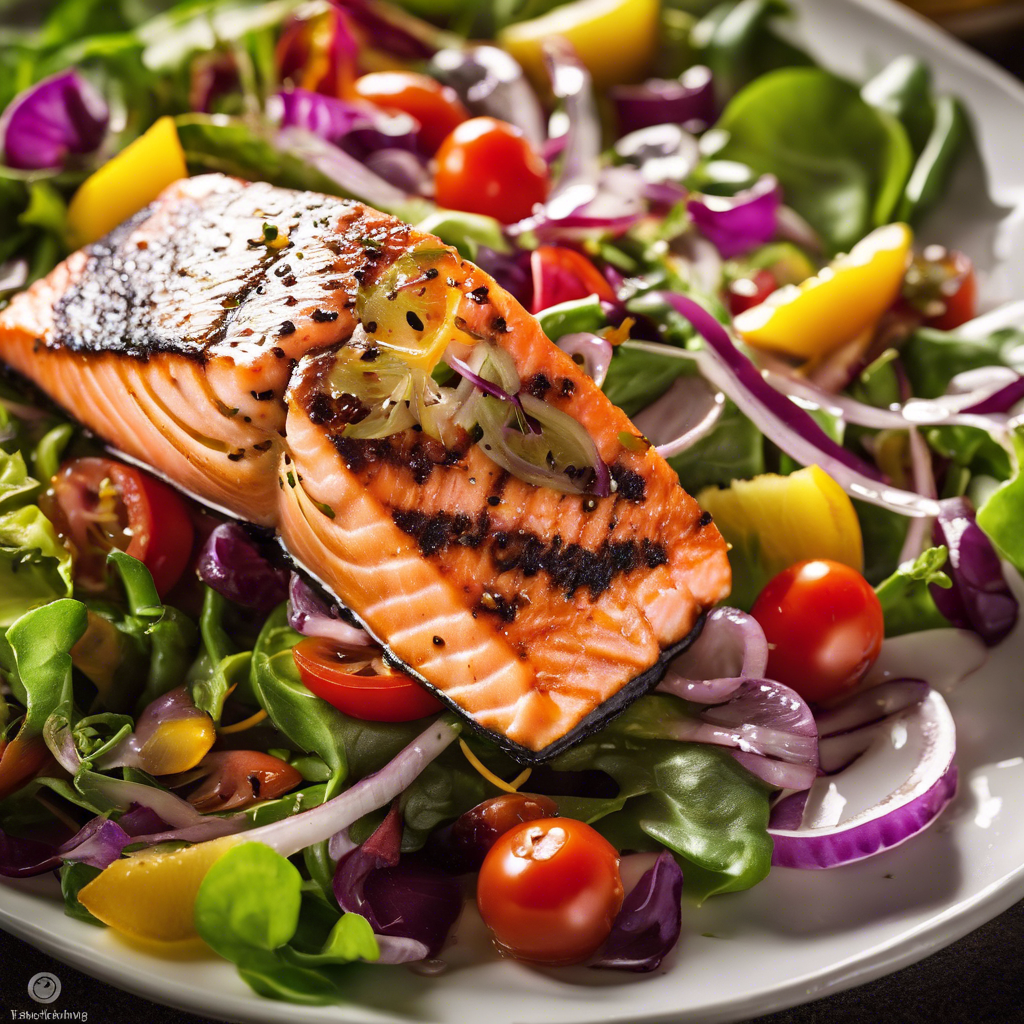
929 936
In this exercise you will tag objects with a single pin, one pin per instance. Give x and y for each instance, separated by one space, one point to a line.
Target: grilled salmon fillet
206 338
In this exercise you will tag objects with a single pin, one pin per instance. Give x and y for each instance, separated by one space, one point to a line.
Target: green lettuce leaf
692 798
35 567
906 601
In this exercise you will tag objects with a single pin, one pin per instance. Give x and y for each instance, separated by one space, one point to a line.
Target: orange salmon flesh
186 342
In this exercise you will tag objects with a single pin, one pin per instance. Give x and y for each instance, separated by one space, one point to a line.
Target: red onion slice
687 412
871 706
896 788
594 351
310 616
778 774
777 417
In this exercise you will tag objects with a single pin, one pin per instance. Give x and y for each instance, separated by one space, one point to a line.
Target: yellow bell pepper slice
125 184
843 300
773 521
615 39
151 895
178 745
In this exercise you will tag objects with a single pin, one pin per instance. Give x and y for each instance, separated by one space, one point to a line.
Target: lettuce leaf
692 798
35 568
907 602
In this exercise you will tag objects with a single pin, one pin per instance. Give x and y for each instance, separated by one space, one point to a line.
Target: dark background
977 980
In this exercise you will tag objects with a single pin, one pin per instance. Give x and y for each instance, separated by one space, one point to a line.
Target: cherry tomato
561 274
747 292
959 292
20 761
824 627
466 843
488 166
239 778
99 505
549 890
437 107
328 671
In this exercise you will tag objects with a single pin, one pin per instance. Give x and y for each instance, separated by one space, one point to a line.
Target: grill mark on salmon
191 346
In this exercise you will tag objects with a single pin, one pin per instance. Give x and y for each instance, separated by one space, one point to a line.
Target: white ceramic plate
798 935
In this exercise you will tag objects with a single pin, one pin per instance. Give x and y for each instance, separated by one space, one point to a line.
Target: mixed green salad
721 232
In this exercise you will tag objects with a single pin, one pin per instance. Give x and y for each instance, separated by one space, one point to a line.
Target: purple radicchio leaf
60 115
649 923
980 598
403 899
231 564
22 858
99 843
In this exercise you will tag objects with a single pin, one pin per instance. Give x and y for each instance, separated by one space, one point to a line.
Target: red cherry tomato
747 292
240 778
824 627
437 107
549 890
488 166
329 672
561 274
959 292
99 505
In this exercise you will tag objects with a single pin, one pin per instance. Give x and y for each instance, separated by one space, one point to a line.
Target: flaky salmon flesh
251 344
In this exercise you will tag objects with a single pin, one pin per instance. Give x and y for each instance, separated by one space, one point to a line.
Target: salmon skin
251 344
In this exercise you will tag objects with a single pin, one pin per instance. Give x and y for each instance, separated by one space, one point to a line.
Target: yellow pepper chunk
843 300
125 184
615 39
773 521
151 895
178 745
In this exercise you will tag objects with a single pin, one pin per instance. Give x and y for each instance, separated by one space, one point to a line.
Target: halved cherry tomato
561 274
824 627
465 844
488 166
437 107
327 670
240 778
747 292
20 761
100 504
959 292
549 890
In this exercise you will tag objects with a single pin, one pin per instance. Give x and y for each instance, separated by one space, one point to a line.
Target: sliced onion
945 657
664 154
871 705
778 774
351 177
738 223
98 844
896 788
791 227
690 98
318 824
308 615
491 83
980 598
594 351
924 483
731 647
778 418
687 412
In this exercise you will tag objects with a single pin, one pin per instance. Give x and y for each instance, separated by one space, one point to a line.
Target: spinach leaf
34 566
733 450
884 533
635 379
907 603
842 164
248 909
736 41
446 788
933 358
350 747
73 878
572 317
692 798
210 690
1002 514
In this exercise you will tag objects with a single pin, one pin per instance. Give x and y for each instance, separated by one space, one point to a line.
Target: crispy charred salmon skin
507 536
